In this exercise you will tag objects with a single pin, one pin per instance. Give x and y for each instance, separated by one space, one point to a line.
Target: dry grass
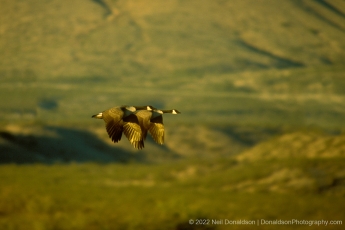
144 40
113 196
298 145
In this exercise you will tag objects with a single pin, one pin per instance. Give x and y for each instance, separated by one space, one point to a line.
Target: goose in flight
122 119
152 120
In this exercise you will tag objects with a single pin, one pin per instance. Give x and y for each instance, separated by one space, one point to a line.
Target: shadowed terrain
55 144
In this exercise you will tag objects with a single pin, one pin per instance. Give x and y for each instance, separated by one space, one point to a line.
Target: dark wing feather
113 123
114 131
138 144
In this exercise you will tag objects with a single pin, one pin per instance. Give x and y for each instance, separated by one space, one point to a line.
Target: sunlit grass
156 196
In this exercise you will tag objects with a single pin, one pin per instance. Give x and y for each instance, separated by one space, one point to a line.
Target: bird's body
152 121
122 119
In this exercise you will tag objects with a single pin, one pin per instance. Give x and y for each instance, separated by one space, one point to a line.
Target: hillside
262 63
264 67
234 63
298 145
144 39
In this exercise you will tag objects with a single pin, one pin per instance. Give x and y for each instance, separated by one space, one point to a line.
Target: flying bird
152 120
121 119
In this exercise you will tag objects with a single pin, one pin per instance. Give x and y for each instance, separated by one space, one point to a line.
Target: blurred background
260 86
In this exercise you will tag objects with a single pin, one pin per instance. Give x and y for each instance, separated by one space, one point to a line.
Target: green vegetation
164 196
294 97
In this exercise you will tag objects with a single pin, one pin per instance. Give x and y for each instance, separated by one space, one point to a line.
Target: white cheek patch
130 108
100 115
174 112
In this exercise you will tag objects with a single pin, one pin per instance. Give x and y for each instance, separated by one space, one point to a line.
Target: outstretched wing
113 123
132 131
114 130
157 129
